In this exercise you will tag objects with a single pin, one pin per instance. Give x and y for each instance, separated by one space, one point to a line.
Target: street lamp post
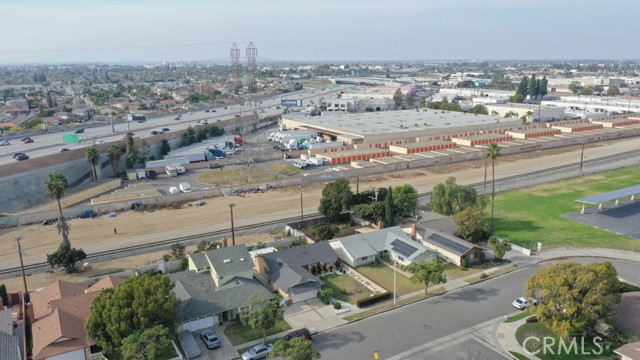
394 279
233 235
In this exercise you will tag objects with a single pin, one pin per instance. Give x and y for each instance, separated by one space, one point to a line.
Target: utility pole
24 277
357 184
581 157
301 213
233 234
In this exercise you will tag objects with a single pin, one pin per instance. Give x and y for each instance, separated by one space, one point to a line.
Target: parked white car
523 303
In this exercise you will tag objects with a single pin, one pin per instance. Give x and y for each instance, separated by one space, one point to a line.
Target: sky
67 31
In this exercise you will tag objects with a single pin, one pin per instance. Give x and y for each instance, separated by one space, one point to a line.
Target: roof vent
242 259
226 261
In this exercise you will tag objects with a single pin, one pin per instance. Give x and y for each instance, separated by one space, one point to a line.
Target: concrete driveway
313 315
225 351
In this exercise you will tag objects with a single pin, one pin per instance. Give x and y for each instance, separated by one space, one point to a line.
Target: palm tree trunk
63 228
264 335
493 189
486 161
95 174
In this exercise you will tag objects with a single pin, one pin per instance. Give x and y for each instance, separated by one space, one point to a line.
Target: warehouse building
533 113
617 122
533 133
348 156
482 139
577 127
418 147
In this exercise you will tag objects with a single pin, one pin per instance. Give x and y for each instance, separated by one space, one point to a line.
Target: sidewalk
505 332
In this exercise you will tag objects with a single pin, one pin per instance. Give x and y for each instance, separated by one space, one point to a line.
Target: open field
254 174
534 214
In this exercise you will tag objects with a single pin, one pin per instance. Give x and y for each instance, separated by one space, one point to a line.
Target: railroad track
158 245
133 249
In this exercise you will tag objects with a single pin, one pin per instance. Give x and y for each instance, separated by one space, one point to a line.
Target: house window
220 276
400 258
245 310
364 258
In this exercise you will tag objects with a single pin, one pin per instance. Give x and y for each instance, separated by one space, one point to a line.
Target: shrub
464 263
532 319
3 294
337 305
483 276
184 264
373 299
325 294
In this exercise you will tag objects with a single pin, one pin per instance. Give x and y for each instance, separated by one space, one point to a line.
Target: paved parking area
224 352
623 219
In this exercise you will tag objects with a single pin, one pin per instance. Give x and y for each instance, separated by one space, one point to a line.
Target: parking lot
224 352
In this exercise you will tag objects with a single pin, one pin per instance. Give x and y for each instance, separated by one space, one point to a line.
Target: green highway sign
70 139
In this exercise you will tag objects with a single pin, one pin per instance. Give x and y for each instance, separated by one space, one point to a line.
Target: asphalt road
46 144
399 331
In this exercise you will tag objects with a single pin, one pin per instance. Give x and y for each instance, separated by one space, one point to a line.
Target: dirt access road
143 227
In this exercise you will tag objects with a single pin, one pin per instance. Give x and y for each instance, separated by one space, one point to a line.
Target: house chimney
379 224
413 232
224 242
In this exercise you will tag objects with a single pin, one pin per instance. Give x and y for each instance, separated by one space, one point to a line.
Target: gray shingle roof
286 266
200 260
200 297
371 243
218 259
6 322
448 242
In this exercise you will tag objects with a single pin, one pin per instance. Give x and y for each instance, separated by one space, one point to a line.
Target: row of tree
530 86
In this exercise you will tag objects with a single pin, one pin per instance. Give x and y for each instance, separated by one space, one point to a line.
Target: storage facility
344 157
577 127
612 123
418 147
533 133
482 139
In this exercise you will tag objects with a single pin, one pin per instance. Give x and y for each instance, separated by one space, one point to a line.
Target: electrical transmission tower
252 54
235 68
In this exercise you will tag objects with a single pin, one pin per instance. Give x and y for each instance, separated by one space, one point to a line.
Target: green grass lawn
539 330
520 316
534 213
454 272
240 334
346 288
383 276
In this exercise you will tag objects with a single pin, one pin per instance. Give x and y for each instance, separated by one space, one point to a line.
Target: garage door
307 295
197 324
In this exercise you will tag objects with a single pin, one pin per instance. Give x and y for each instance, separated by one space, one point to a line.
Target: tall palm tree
93 156
493 152
114 153
55 185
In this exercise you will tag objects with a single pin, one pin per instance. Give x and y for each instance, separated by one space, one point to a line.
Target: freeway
400 331
47 144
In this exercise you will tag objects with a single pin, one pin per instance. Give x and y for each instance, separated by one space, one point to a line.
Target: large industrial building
392 127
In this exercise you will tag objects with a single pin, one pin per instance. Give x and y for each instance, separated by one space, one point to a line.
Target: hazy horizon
118 31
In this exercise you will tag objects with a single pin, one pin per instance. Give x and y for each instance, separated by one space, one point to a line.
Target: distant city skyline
67 31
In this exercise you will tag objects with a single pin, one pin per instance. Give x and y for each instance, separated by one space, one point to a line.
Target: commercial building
533 113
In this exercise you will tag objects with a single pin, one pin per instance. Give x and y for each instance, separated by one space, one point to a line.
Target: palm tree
493 152
114 153
55 185
93 156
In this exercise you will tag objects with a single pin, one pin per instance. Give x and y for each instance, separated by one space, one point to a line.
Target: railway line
508 182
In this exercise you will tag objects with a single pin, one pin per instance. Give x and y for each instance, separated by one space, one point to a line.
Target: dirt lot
142 227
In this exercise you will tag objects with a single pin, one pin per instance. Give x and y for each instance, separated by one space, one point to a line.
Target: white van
185 187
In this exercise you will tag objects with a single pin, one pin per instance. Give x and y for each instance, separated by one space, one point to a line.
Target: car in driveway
523 303
4 143
302 333
258 352
210 339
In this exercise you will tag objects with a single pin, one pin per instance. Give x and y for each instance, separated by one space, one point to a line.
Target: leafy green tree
325 294
215 130
449 198
93 156
493 152
370 212
147 344
531 86
50 103
397 97
321 232
613 91
184 141
336 197
114 153
191 134
66 257
575 87
469 84
586 91
408 99
472 224
295 349
389 210
143 152
523 87
141 302
405 200
3 294
382 194
131 153
544 86
55 185
479 109
498 247
165 148
575 297
427 272
202 134
264 314
510 114
177 251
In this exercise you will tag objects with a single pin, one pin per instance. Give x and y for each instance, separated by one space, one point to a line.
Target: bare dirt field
143 227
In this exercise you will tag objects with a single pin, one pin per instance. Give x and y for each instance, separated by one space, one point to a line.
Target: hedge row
374 299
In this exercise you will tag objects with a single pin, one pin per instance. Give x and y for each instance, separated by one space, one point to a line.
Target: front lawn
240 334
345 288
556 351
533 214
383 276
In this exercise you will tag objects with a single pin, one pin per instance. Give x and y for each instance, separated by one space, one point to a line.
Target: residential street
457 325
